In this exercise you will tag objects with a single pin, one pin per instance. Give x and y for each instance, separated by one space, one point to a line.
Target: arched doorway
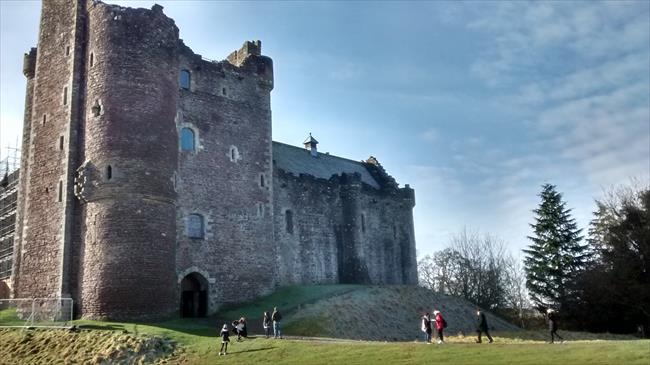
194 296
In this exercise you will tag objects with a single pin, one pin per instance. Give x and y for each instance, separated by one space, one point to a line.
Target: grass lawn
197 341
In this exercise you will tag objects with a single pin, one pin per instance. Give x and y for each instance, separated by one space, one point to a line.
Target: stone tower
101 127
51 150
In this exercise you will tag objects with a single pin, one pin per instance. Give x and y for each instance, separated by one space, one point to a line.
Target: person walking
553 324
482 326
225 340
276 317
426 327
267 323
441 324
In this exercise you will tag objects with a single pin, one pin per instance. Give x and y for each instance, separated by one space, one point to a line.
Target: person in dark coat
426 327
267 324
225 339
482 326
552 324
276 317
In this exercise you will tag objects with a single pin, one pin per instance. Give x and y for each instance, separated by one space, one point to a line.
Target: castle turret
130 155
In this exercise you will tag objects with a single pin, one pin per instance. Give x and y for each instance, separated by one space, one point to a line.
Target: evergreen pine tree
556 254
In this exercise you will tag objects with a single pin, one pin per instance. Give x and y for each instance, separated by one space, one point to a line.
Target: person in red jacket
441 324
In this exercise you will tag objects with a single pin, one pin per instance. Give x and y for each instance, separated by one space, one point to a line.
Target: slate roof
297 160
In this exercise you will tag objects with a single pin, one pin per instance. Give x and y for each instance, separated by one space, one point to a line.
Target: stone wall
342 231
226 177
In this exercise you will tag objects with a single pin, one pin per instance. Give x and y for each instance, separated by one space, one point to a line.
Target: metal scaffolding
9 171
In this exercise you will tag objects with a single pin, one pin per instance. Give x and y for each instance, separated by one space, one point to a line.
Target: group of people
441 324
481 326
239 328
427 326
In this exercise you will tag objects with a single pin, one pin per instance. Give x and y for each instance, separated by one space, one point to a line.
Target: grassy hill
354 311
390 313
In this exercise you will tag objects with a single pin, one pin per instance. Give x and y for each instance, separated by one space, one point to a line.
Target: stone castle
150 185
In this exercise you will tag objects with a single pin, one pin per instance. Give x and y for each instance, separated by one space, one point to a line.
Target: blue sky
474 104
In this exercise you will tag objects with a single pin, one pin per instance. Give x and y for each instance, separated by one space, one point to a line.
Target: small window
195 226
96 109
288 219
65 95
260 210
60 191
67 50
44 118
109 172
92 59
61 143
223 91
363 223
234 154
185 78
394 232
262 182
187 139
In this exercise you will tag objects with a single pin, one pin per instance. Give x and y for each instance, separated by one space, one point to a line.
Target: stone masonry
150 186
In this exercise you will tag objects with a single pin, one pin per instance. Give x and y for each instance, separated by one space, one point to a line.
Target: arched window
288 219
185 78
187 139
195 226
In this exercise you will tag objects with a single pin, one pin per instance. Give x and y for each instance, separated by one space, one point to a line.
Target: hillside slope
390 313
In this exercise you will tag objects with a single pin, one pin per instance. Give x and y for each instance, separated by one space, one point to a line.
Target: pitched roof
297 160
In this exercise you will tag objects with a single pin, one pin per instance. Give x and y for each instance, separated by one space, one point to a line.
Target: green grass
198 342
9 317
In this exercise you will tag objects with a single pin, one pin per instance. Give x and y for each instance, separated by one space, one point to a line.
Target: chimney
310 144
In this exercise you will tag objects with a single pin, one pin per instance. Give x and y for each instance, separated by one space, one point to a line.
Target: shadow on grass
102 327
254 350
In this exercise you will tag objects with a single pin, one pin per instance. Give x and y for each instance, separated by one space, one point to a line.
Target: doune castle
150 185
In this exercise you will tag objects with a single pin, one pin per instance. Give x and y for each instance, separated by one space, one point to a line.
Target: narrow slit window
288 218
262 182
109 172
65 95
234 154
363 223
223 91
185 79
67 50
92 59
60 143
60 191
44 118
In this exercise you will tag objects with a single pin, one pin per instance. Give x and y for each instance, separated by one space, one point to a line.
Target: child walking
225 339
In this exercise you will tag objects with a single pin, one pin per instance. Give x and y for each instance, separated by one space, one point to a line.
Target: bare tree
475 267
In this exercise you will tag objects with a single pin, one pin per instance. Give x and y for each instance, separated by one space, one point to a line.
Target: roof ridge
362 163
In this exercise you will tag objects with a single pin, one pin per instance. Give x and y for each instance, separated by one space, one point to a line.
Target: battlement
249 48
